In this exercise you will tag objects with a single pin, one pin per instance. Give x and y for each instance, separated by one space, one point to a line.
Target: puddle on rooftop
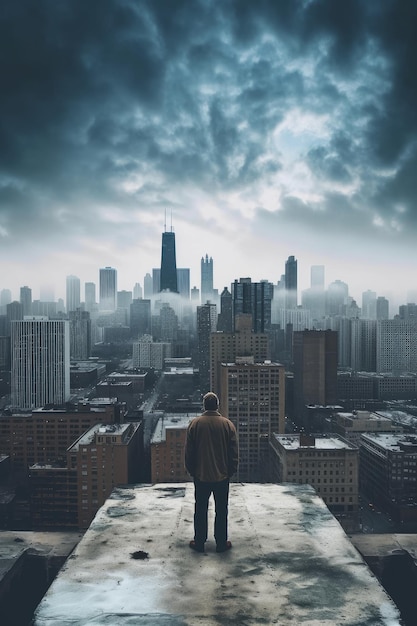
118 511
173 492
119 494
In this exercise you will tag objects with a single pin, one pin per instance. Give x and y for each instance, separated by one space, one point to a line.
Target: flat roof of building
291 564
98 429
332 442
391 441
171 420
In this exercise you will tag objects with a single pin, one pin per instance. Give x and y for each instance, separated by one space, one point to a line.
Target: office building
168 447
90 296
14 311
336 298
26 300
225 317
315 370
70 494
206 279
352 425
252 396
313 298
291 294
40 362
369 305
147 286
389 473
73 298
140 318
329 464
396 349
80 335
206 324
382 308
148 353
137 291
168 278
227 347
254 299
363 345
183 282
108 289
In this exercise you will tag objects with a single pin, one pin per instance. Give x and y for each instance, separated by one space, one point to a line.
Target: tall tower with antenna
168 280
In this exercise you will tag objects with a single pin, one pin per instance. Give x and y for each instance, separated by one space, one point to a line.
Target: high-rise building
227 347
206 324
168 263
140 318
363 345
80 335
382 308
40 362
167 449
291 296
396 350
369 305
137 291
252 396
225 318
108 289
26 300
337 296
313 298
73 293
254 299
206 279
147 287
183 282
14 311
315 369
90 296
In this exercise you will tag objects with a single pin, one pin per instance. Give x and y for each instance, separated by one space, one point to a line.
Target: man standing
211 458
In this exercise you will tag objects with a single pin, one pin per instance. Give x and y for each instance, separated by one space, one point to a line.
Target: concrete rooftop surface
291 563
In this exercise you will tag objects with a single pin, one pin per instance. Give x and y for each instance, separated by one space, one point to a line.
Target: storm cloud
301 114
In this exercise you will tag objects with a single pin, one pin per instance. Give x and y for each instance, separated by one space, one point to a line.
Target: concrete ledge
291 563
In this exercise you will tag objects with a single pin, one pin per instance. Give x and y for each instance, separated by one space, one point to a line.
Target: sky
255 130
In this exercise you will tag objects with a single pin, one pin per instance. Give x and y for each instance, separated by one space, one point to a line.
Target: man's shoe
196 546
224 547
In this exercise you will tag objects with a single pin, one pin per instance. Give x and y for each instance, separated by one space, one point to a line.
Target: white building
40 354
150 354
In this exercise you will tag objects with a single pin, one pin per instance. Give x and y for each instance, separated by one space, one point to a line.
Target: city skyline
265 130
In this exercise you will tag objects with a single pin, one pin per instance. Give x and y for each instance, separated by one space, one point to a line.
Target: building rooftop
393 442
99 429
332 442
171 420
291 563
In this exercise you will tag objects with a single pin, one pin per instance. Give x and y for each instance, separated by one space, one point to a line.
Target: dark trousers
220 491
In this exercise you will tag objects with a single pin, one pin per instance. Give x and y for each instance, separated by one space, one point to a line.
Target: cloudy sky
266 129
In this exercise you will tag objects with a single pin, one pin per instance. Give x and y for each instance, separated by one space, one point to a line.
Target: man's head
210 401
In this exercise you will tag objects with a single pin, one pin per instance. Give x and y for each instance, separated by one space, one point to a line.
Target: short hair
210 401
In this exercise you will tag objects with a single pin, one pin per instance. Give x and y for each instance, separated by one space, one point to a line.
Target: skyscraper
183 282
80 334
40 362
315 369
252 395
168 263
140 318
255 299
108 289
206 324
206 279
147 286
225 318
369 305
396 350
90 296
291 283
26 300
73 293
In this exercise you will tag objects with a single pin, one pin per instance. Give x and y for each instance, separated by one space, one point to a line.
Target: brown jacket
211 450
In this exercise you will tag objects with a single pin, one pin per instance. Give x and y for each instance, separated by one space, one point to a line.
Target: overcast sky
267 128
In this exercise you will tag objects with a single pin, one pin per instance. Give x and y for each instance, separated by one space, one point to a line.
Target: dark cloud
127 103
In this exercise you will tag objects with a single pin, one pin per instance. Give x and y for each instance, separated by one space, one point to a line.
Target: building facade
329 464
252 396
40 354
108 289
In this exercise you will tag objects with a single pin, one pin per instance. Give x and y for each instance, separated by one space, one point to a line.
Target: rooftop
333 442
291 563
391 441
171 420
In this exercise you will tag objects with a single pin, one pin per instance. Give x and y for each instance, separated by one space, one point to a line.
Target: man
211 458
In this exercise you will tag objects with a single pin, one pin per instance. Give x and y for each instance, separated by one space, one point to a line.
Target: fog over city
265 129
